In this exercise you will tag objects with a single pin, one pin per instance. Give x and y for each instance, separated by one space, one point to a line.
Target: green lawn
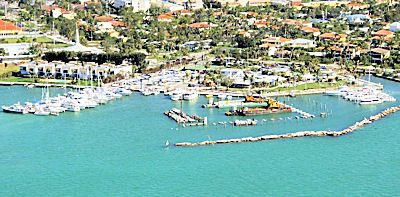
18 79
42 39
308 86
8 69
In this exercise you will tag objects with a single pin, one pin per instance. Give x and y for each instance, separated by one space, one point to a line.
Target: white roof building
16 49
235 74
299 42
394 27
138 5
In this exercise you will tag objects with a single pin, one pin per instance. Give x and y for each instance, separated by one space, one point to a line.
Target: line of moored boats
69 101
364 96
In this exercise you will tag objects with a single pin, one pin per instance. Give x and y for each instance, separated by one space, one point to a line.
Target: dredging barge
271 108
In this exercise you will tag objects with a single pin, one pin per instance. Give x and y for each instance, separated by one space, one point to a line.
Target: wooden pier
345 131
303 113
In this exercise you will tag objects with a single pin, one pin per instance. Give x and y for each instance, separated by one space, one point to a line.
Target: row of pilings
348 130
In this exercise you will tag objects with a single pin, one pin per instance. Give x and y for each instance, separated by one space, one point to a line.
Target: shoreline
387 78
41 85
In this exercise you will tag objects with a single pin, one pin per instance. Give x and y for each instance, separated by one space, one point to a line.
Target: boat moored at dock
16 109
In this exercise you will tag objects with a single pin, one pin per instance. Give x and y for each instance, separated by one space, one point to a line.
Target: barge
271 108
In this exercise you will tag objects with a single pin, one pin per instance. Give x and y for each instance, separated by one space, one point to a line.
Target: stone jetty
348 130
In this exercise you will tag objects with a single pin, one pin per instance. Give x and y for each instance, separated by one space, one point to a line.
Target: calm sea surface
118 150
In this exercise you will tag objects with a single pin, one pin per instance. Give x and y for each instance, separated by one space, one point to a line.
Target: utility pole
54 41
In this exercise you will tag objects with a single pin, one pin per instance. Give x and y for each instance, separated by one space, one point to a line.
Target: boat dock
269 94
369 83
182 117
303 113
345 131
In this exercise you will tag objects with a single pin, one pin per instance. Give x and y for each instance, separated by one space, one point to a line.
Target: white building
271 79
236 74
105 27
74 69
138 5
16 49
189 4
394 27
300 42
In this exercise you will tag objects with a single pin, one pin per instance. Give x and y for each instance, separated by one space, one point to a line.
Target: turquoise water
117 150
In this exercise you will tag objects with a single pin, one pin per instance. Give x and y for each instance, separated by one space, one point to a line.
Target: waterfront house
74 69
377 55
28 68
46 69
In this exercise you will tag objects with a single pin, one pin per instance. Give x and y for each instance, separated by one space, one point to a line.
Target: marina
199 98
117 134
73 101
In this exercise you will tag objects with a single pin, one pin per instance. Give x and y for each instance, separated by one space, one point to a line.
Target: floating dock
348 130
182 117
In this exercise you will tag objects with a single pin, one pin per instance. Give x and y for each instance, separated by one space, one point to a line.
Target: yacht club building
73 69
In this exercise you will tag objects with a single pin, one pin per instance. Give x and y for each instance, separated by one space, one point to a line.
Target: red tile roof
262 23
219 13
117 23
381 51
266 45
328 35
179 11
383 33
252 13
92 2
355 5
104 18
8 26
199 25
310 30
165 17
294 22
